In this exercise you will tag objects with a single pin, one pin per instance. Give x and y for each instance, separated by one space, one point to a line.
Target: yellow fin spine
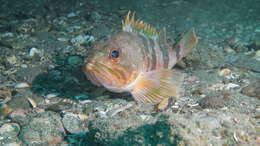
132 25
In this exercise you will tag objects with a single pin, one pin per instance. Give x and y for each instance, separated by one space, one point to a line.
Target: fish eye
114 54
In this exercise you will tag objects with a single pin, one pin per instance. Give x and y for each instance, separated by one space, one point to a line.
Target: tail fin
184 45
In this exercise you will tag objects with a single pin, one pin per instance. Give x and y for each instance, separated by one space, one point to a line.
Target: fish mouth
91 75
102 74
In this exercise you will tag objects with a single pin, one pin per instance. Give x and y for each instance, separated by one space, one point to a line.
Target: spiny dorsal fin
138 26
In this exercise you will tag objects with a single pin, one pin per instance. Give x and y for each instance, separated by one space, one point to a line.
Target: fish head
115 62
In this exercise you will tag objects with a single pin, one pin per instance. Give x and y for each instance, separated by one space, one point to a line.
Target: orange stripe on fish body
143 62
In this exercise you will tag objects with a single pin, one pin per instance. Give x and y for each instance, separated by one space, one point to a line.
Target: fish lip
97 73
90 73
89 66
96 78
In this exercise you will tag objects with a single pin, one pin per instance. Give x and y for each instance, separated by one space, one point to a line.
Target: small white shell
145 117
32 102
34 51
51 95
231 86
224 72
22 85
217 87
83 117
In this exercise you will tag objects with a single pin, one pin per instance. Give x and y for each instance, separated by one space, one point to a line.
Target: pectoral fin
154 86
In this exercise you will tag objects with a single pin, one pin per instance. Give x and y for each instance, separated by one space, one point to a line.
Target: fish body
139 60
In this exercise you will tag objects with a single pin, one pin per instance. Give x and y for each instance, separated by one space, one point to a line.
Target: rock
252 90
19 116
9 135
9 130
228 49
75 60
42 129
215 100
27 26
12 59
73 124
255 45
4 110
257 53
5 95
59 107
172 129
22 85
72 14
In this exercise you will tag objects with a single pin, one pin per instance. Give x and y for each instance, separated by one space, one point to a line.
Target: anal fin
154 86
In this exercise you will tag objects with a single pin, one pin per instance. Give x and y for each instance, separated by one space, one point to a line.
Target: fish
139 59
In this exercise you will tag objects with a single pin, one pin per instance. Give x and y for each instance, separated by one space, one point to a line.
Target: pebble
82 117
215 100
19 116
24 65
255 45
221 86
8 34
224 72
9 130
12 59
163 104
4 110
252 90
73 124
257 53
229 49
32 102
22 85
51 95
74 60
231 86
216 87
63 39
33 51
72 14
145 117
41 129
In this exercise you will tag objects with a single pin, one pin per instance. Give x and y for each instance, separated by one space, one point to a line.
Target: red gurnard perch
139 60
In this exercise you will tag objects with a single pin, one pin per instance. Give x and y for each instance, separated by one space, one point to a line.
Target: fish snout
89 64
